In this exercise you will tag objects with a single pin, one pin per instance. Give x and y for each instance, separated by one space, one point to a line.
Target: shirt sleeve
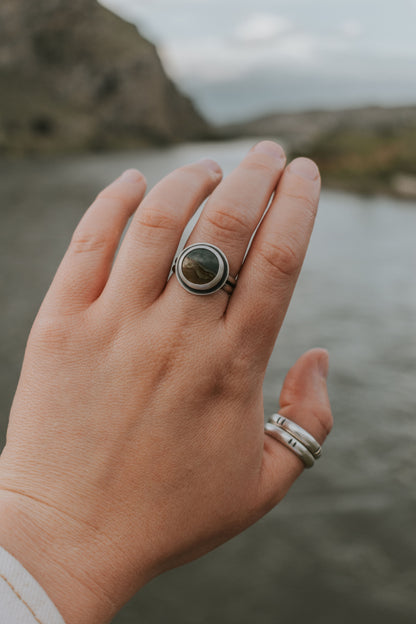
22 599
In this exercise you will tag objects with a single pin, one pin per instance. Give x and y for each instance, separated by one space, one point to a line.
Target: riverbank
77 78
368 150
368 161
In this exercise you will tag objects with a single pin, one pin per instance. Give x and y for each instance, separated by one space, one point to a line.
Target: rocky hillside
74 76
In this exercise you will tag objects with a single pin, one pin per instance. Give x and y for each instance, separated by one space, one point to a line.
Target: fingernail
270 148
304 168
211 165
323 364
131 175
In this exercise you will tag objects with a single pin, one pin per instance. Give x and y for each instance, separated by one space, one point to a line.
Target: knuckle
280 258
158 216
88 242
227 218
309 203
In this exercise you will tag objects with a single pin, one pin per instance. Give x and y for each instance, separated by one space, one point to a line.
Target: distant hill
368 150
74 76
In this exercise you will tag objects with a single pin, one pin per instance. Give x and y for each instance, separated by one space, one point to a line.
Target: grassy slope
366 161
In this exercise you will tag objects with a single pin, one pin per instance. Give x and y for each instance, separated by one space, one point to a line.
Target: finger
268 277
234 210
86 265
304 400
147 252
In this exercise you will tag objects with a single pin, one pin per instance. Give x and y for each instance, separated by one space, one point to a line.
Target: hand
136 437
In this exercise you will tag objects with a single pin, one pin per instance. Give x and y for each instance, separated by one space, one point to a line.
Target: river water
342 546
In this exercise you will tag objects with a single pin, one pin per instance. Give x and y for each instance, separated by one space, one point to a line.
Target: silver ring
297 432
291 443
202 269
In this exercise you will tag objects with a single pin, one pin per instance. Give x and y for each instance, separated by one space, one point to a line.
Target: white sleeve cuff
22 599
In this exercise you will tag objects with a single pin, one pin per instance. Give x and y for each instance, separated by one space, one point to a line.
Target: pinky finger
304 400
85 268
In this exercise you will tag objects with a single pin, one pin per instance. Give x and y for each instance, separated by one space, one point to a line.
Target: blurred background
89 89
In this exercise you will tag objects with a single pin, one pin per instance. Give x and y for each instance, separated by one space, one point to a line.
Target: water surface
341 547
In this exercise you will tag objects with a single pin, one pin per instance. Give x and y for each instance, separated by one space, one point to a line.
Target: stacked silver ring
294 438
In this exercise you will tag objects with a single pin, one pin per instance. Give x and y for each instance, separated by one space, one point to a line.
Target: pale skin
136 438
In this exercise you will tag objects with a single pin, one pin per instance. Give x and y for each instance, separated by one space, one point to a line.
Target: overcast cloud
239 57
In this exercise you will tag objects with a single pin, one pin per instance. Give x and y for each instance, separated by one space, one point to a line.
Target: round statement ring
202 269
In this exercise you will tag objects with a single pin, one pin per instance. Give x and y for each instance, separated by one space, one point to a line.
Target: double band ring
297 432
294 438
202 269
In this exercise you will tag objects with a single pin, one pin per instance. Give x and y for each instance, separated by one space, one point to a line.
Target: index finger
267 279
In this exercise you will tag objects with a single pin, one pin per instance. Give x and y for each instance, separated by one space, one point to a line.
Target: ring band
202 269
297 432
291 443
229 285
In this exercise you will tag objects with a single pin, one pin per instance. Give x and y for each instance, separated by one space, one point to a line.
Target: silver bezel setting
215 284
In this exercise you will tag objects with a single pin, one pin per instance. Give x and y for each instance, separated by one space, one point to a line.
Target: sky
243 58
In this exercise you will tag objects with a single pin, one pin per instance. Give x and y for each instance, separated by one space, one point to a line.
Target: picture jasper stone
200 266
201 269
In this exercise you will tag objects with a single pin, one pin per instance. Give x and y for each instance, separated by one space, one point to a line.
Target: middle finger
233 212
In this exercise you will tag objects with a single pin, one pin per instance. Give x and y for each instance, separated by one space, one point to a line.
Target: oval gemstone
200 266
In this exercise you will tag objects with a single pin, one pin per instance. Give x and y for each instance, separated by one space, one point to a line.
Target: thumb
304 400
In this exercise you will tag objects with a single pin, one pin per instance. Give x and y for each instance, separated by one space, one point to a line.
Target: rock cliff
74 76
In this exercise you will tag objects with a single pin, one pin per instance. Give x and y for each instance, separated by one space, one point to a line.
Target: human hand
136 438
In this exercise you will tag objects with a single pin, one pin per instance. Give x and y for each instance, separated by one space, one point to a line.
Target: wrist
55 551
